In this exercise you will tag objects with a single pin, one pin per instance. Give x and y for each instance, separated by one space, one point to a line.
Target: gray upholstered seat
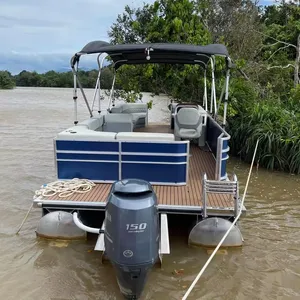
138 111
188 123
118 123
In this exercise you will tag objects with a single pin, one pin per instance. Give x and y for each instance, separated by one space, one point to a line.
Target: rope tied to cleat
65 188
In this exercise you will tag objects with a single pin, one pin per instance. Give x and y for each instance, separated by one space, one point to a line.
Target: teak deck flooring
188 195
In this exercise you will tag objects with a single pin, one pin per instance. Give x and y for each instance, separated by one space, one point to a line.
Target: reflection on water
267 267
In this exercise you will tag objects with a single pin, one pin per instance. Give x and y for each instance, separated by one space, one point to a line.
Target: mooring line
27 214
227 232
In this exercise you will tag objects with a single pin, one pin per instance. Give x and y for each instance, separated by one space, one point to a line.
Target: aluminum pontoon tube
80 225
59 225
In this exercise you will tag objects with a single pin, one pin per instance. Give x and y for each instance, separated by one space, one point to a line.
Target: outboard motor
132 233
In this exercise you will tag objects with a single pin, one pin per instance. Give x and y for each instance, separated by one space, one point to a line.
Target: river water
267 267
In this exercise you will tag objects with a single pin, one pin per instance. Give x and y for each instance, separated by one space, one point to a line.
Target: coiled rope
65 188
227 232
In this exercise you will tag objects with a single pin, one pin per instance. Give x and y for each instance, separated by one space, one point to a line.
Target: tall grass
276 127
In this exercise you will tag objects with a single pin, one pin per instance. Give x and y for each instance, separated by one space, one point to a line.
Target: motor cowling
132 233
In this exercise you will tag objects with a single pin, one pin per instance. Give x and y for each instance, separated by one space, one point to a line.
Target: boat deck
177 199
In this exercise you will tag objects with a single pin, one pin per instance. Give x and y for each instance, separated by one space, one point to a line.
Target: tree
163 21
282 37
6 80
265 44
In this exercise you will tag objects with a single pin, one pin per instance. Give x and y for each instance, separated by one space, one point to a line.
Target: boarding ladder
230 187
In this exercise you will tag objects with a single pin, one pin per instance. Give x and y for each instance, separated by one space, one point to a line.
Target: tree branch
281 48
278 41
243 74
281 67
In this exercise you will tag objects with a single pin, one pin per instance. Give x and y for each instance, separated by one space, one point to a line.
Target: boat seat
138 111
188 123
118 122
93 123
145 136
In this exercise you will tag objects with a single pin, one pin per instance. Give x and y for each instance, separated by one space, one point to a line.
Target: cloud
17 62
35 29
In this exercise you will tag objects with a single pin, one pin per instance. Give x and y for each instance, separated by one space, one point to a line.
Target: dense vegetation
64 79
265 46
6 80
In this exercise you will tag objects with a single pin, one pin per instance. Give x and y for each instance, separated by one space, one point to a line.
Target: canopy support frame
213 102
74 66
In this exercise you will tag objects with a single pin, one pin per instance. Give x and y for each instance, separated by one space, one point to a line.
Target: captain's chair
188 123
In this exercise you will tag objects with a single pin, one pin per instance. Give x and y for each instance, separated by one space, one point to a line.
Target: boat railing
222 157
217 140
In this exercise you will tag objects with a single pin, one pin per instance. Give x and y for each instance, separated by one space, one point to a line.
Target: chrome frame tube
84 97
220 99
219 157
226 96
97 83
111 92
205 92
213 102
77 82
74 70
100 65
95 90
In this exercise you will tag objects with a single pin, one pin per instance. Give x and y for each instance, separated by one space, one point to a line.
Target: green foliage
263 43
65 79
278 132
163 21
6 80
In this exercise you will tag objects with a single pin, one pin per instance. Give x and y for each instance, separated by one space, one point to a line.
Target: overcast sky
31 30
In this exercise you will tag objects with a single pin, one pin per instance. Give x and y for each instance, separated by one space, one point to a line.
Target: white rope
26 216
227 232
65 188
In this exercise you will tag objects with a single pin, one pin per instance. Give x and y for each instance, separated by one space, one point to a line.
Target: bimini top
154 53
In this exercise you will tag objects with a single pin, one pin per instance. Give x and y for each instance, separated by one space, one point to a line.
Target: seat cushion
118 122
138 116
118 118
145 136
93 123
188 133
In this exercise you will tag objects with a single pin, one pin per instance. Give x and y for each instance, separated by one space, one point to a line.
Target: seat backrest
188 117
131 108
93 123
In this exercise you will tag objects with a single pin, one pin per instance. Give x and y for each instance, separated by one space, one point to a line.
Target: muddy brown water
267 267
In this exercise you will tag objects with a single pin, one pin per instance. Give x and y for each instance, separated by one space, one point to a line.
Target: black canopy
155 53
